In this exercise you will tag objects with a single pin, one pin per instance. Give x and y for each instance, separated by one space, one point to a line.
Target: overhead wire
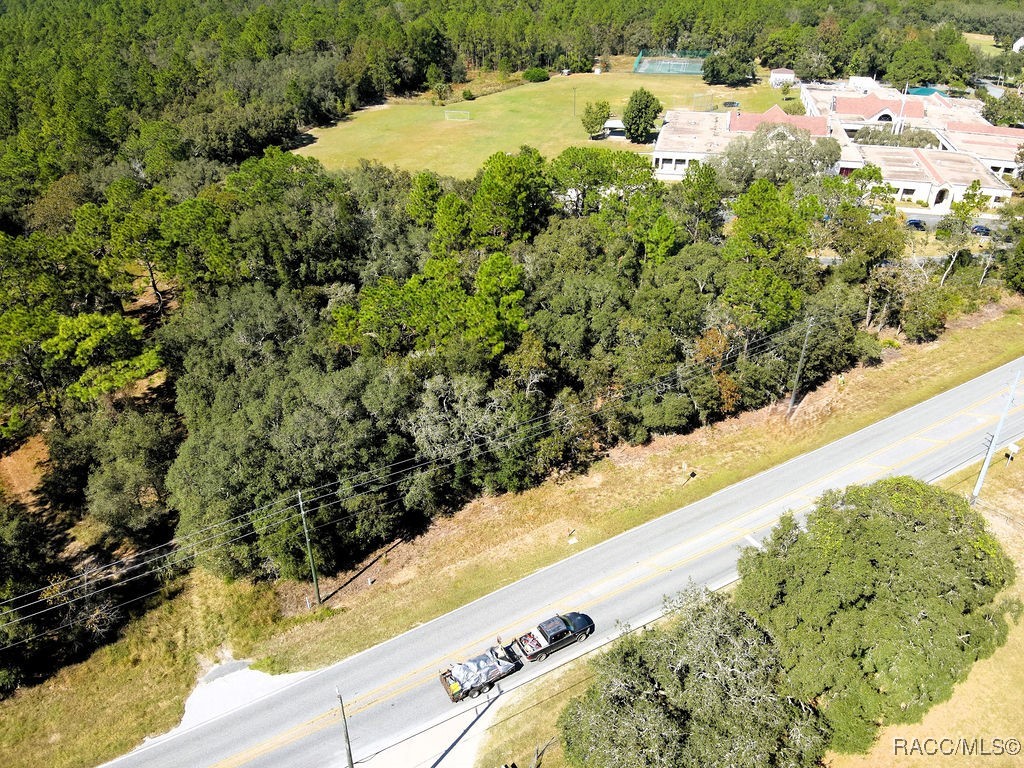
188 548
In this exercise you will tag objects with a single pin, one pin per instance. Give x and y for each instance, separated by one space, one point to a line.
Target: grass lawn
414 135
137 686
983 43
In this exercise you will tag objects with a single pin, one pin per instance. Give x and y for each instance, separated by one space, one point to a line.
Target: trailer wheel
486 688
540 657
474 692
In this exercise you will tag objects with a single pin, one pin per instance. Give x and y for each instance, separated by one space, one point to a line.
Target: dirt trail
22 470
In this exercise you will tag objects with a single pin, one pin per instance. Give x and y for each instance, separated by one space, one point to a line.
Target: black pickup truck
554 634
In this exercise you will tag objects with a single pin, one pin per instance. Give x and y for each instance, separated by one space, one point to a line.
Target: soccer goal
702 102
457 114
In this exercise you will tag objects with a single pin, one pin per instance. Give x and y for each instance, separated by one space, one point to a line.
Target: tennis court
681 63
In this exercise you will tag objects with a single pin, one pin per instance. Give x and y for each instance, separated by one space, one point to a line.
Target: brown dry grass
93 711
990 702
500 539
21 470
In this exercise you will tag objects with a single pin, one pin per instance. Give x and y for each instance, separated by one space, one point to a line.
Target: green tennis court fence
684 62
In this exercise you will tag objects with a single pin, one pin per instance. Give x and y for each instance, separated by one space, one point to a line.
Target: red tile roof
748 122
871 105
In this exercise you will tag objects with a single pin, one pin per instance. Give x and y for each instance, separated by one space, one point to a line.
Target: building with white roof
688 136
970 148
995 145
780 76
934 177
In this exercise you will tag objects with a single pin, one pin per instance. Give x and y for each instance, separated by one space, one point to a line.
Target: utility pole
344 730
309 550
800 366
995 440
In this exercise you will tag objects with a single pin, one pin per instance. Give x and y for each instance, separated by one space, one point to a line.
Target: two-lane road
391 690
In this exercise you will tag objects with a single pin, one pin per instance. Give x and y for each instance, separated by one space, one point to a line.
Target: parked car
553 634
916 224
982 230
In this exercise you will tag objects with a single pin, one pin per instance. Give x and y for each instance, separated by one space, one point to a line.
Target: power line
245 520
392 503
188 547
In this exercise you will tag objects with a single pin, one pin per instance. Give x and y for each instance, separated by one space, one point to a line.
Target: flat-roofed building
934 177
995 145
689 136
686 137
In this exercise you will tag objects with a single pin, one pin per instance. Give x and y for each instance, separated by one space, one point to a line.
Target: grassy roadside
501 539
137 687
988 704
93 711
414 134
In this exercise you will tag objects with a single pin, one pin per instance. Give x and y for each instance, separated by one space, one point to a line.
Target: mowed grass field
984 43
414 135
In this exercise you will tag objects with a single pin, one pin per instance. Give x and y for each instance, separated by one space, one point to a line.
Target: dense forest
201 325
176 93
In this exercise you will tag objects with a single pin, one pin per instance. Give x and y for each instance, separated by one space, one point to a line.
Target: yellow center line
283 739
417 677
431 667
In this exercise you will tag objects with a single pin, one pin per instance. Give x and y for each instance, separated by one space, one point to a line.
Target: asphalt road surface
391 691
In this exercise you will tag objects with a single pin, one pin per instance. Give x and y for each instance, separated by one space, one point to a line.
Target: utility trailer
478 675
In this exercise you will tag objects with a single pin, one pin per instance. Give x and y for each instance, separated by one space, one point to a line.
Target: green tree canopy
595 115
126 487
733 66
641 112
881 605
512 199
24 553
702 691
778 153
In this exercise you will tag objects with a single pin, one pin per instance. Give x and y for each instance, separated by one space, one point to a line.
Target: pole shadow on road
465 730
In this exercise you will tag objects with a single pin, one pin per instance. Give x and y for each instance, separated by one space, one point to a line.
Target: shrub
467 95
793 107
536 75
